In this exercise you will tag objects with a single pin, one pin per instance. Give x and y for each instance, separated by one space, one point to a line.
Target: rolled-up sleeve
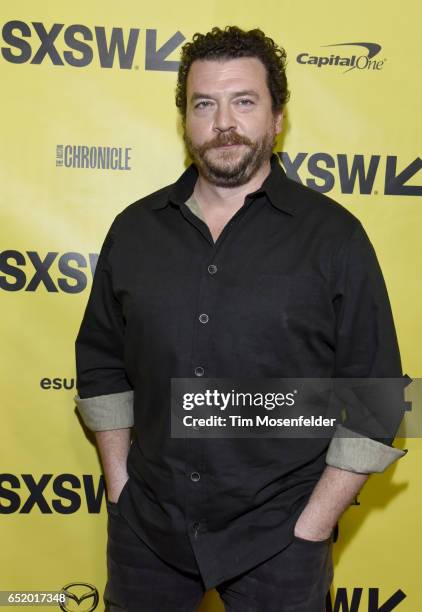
105 394
353 452
366 347
105 412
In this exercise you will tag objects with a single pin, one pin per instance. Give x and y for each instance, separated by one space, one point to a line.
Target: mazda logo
80 597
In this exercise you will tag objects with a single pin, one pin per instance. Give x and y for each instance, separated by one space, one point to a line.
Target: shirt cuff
105 412
356 453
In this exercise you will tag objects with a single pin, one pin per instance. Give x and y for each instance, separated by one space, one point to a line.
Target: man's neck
227 200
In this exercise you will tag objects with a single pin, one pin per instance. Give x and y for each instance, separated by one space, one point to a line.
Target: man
234 271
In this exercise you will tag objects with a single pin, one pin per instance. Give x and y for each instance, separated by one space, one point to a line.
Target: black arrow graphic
395 184
388 605
155 59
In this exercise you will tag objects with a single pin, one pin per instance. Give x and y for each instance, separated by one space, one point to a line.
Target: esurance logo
350 59
57 383
79 45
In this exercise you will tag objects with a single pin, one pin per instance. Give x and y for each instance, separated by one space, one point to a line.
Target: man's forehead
226 70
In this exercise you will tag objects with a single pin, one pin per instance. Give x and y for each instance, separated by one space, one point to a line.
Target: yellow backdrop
89 125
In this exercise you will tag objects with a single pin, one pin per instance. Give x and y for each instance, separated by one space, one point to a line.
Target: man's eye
245 102
203 104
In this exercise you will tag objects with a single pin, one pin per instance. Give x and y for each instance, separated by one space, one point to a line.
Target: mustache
225 139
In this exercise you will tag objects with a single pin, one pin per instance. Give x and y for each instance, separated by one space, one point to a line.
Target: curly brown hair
231 43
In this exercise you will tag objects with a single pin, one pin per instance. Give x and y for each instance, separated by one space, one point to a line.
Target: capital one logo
78 46
353 59
80 597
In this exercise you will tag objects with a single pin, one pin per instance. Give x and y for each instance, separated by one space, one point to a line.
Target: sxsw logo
352 59
49 493
354 173
345 601
30 271
79 45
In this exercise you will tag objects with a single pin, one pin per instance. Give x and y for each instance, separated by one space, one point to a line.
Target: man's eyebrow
236 94
245 92
196 95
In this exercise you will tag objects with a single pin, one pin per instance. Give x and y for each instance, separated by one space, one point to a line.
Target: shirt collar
275 187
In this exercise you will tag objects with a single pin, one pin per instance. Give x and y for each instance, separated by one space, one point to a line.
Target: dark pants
296 579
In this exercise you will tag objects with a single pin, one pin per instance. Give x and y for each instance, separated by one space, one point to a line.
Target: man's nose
224 119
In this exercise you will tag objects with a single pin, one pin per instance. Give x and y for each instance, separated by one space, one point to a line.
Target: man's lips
229 145
226 146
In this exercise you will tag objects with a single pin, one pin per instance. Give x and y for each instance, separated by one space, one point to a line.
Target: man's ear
278 121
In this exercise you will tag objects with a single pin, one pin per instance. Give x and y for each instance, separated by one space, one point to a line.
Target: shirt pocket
273 324
308 317
250 316
293 307
308 297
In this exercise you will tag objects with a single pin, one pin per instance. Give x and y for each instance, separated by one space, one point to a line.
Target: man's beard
230 169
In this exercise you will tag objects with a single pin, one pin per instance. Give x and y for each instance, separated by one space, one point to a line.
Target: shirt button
212 269
195 476
204 318
199 371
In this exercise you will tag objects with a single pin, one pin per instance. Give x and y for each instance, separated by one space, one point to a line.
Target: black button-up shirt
291 288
